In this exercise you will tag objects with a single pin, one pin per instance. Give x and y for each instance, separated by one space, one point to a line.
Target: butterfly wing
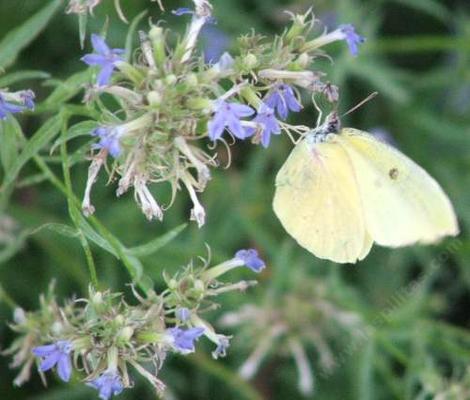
402 203
318 203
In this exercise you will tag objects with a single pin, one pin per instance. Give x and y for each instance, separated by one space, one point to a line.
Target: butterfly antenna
320 113
368 98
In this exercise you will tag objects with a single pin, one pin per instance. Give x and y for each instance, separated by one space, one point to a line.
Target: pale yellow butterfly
341 190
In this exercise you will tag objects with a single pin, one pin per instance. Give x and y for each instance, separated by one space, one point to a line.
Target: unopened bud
170 79
125 334
250 61
154 98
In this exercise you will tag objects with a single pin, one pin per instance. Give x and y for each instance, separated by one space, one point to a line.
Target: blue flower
227 115
109 139
183 314
251 259
225 63
268 122
282 99
56 354
216 43
182 11
352 38
104 57
183 340
222 346
109 383
8 108
25 98
187 11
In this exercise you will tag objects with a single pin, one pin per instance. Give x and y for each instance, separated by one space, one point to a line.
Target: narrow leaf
19 76
10 132
40 139
17 39
156 244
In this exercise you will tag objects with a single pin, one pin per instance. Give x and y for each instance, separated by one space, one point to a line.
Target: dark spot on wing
393 173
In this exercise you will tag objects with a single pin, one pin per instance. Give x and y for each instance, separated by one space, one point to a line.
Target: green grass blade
156 244
20 37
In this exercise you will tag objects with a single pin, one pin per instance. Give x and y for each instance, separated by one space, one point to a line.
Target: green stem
115 243
72 208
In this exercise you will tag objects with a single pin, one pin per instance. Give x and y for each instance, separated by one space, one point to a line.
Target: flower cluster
171 100
307 317
99 338
15 102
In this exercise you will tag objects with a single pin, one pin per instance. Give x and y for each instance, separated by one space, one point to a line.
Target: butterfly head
327 130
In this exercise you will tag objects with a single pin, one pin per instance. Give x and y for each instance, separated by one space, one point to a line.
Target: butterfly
341 190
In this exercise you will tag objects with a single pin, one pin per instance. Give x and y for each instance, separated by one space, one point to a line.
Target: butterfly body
341 190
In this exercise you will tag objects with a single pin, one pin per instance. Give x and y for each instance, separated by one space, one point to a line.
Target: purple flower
27 97
104 57
225 63
269 124
24 97
352 38
183 340
227 115
216 43
282 99
56 354
222 346
182 11
251 259
109 139
185 10
183 314
109 383
8 108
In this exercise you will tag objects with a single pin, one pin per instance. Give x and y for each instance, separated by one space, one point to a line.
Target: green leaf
66 90
41 138
130 34
95 237
61 229
19 76
82 23
156 244
17 39
81 129
10 134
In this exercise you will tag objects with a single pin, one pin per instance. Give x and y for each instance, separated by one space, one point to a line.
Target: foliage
394 326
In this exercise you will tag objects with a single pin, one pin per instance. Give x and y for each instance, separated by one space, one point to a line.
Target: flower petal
105 74
64 367
99 45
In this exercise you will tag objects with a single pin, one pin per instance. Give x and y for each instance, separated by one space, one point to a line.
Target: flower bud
199 103
250 61
154 98
125 334
170 79
191 80
199 286
303 61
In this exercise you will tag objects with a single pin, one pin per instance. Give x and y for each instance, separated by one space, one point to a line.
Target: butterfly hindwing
402 203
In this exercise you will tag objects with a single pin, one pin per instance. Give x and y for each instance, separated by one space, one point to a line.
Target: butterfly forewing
318 202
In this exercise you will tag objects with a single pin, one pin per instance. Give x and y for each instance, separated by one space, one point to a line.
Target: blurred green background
417 56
